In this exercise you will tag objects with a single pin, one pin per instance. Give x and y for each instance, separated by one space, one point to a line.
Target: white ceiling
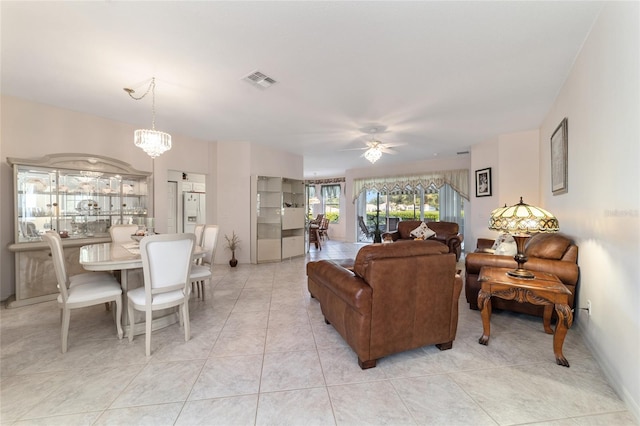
440 76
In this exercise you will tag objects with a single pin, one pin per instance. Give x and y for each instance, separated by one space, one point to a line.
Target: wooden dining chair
318 219
82 290
166 265
201 271
323 230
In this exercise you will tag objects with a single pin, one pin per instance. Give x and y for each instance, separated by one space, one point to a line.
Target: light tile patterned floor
261 354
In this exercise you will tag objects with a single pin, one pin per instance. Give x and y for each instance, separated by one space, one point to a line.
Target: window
331 202
430 204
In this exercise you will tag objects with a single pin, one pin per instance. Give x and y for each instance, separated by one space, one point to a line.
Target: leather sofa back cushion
444 228
406 226
440 228
397 249
547 246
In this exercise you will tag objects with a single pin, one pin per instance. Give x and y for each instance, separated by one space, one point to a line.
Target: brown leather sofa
398 297
446 232
552 253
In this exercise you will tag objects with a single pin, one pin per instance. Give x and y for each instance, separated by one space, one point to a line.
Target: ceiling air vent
260 80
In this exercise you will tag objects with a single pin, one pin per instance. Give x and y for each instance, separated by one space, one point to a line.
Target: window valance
457 179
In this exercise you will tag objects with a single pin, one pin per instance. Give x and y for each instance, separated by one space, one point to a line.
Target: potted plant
232 244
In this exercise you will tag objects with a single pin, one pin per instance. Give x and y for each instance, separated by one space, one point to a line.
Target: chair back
197 231
363 226
122 233
210 242
166 263
28 229
318 219
57 255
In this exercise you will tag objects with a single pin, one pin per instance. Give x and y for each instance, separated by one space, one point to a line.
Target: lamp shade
522 218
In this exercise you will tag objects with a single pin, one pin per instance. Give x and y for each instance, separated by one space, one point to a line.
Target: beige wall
513 159
31 130
601 209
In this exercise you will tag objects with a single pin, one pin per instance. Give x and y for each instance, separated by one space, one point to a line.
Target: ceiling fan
375 148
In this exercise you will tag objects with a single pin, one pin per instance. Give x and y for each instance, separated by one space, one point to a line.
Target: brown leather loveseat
552 253
446 232
398 297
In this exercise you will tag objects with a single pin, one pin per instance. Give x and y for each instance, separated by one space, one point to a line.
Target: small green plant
233 242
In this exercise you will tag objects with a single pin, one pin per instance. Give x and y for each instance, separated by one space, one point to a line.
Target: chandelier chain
152 89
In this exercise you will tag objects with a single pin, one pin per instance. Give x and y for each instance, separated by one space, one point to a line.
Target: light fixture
521 220
153 142
374 152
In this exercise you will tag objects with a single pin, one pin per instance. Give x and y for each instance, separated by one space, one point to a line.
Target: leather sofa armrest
454 240
343 283
395 235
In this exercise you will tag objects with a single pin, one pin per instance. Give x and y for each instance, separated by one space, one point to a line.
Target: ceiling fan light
373 154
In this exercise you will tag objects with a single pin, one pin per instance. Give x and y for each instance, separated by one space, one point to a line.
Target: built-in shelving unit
277 218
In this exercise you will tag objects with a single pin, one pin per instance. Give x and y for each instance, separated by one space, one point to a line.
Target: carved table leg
484 303
565 319
546 319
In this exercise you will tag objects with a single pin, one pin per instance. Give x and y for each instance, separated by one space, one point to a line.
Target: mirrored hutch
77 195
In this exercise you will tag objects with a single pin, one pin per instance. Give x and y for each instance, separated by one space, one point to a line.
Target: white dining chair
81 290
201 271
197 231
166 265
122 233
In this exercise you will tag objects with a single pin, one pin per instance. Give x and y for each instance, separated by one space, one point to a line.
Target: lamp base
521 273
521 258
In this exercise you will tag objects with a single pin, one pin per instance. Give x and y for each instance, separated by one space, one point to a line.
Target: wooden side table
544 289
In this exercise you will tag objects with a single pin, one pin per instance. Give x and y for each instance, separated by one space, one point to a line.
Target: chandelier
152 141
374 152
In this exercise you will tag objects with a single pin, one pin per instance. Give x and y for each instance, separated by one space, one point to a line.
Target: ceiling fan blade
355 149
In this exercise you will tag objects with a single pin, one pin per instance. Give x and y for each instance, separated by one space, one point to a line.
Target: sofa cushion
504 245
422 232
501 239
547 246
507 248
405 227
372 252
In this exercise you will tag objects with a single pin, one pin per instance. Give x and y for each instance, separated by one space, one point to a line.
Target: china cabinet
277 218
80 197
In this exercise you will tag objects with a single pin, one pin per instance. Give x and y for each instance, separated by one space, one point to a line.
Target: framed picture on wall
559 159
483 182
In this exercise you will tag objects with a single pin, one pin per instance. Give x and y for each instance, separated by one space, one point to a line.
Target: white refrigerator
193 210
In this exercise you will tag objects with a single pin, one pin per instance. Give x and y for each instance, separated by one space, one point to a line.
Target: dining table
126 257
